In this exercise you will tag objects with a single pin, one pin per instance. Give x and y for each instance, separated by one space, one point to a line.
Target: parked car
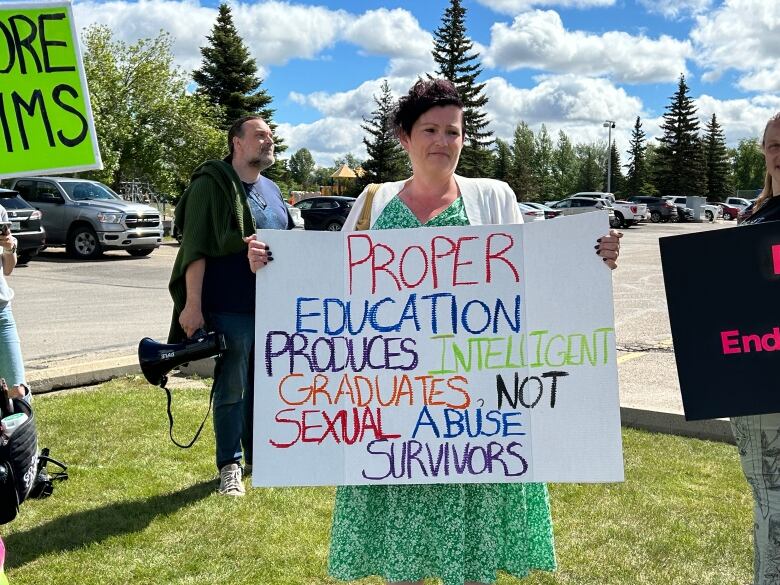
530 214
739 202
297 217
87 217
575 205
26 225
710 212
658 209
729 211
549 212
595 195
325 213
626 214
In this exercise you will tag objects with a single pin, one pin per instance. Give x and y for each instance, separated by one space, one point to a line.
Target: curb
96 372
85 374
672 423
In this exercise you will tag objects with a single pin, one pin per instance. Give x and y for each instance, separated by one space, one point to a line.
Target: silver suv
87 217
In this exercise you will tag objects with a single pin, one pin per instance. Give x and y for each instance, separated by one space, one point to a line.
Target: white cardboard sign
450 355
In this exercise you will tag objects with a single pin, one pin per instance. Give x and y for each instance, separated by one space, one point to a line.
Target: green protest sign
45 116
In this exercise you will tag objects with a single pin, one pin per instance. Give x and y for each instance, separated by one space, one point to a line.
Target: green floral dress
457 532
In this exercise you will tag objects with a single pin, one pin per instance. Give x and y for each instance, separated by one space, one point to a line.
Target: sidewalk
649 393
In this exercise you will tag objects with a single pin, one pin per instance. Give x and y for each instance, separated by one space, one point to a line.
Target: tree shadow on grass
90 526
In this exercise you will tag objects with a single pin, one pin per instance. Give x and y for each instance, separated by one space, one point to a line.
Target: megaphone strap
170 419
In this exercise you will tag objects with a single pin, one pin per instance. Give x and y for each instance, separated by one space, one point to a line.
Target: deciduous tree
148 127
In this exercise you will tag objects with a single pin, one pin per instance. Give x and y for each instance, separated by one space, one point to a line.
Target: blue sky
568 64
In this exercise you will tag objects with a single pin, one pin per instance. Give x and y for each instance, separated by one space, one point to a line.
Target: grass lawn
139 510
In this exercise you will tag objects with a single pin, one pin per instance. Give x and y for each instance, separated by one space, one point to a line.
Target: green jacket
213 217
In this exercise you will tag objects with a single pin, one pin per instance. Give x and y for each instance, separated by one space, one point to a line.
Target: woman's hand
608 247
259 253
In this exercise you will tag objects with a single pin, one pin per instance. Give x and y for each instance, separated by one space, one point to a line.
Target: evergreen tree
228 78
679 168
638 177
565 167
387 160
523 153
717 159
616 180
456 61
502 163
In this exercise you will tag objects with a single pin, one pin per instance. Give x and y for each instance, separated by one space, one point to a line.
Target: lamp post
609 124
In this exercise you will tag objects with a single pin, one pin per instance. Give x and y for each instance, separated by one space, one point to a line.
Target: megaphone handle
170 419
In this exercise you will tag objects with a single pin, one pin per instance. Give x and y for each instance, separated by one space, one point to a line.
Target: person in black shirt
758 436
212 285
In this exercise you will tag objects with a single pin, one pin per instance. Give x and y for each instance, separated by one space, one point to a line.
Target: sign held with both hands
455 355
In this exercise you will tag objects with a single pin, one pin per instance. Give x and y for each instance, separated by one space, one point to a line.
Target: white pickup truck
626 213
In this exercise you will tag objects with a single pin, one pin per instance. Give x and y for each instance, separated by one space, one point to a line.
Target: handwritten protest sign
45 115
448 355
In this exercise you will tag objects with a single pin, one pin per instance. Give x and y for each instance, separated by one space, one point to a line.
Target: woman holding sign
461 533
758 436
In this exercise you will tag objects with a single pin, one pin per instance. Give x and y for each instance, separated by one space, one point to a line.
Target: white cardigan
487 202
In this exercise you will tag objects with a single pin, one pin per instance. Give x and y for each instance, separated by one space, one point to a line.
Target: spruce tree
228 78
617 180
717 159
679 165
638 177
502 163
456 61
387 160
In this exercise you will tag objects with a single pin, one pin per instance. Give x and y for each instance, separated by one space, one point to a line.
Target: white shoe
230 480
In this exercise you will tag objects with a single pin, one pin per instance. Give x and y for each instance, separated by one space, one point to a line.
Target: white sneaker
230 480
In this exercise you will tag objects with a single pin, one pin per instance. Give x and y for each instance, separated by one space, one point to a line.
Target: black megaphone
157 359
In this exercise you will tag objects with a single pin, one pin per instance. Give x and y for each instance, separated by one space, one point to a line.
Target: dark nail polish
596 247
604 259
270 259
599 240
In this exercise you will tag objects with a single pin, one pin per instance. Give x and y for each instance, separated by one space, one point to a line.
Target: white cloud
354 103
326 139
674 9
740 118
575 104
275 32
186 21
743 35
539 40
518 6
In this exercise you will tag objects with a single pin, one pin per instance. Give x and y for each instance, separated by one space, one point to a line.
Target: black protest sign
723 293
